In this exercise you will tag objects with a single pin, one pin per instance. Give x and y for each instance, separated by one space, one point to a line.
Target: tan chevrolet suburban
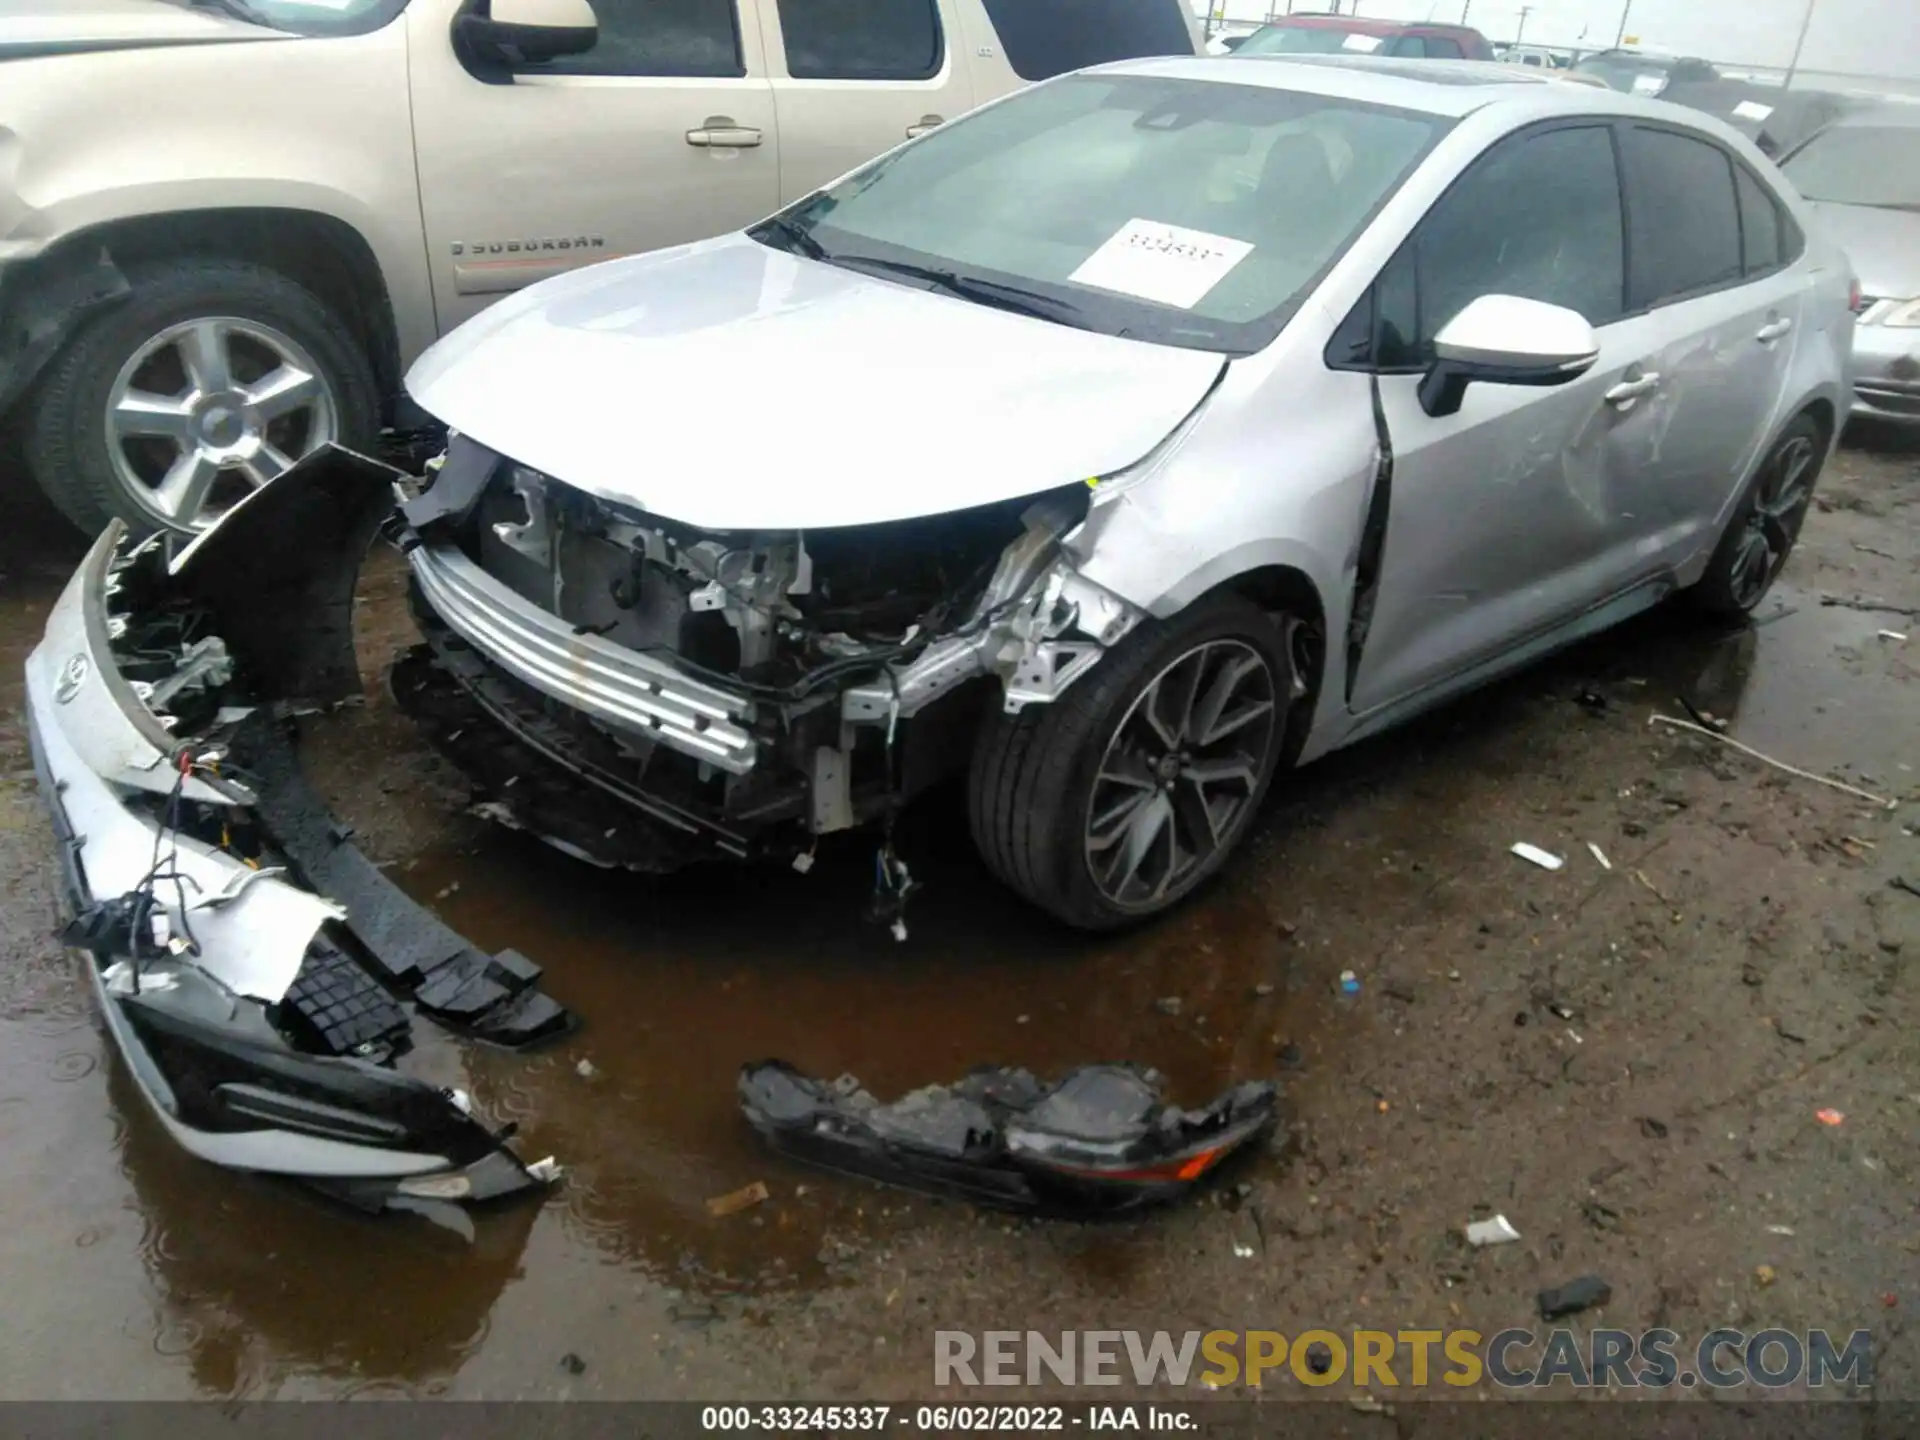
227 226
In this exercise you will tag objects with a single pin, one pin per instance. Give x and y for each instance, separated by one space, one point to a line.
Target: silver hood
1884 246
53 27
735 387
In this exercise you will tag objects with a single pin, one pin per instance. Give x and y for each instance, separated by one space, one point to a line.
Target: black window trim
1793 242
939 63
1364 362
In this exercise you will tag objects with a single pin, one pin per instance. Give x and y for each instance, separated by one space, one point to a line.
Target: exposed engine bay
746 691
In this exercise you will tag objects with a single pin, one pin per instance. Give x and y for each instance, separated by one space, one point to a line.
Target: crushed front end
689 693
259 975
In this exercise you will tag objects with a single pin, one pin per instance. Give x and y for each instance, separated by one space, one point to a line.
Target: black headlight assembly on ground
1101 1140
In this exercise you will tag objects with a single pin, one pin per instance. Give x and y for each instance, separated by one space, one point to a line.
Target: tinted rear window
1043 38
860 39
1683 220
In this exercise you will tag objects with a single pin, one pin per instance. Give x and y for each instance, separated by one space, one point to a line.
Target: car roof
1449 88
1888 115
1354 23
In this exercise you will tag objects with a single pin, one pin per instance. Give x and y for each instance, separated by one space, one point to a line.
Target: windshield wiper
797 237
971 287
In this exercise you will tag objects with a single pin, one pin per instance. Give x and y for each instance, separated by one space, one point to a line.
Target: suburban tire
210 378
1765 524
1126 794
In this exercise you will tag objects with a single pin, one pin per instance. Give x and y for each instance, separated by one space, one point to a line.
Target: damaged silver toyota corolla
1121 443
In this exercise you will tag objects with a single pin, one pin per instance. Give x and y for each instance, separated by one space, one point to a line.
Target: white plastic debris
1546 860
1244 1252
460 1100
1780 1229
546 1171
586 1069
1893 635
1600 855
1496 1231
803 862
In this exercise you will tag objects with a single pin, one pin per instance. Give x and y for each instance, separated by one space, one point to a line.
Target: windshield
1187 212
1860 165
1308 40
309 17
1635 74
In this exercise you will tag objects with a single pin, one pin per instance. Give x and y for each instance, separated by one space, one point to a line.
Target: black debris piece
1653 1129
1573 1297
1100 1140
339 1009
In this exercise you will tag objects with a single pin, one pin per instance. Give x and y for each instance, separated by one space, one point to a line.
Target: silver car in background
1120 445
1861 176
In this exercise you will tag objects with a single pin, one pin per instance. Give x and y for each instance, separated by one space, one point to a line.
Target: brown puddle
682 981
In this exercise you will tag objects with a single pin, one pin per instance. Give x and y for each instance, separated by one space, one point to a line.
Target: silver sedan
1121 445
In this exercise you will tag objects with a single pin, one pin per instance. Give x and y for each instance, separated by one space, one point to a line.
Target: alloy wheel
210 409
1779 507
1181 772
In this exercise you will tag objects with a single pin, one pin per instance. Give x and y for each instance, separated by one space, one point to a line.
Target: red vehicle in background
1350 34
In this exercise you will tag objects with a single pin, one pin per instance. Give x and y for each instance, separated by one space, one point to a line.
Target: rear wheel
1118 800
1765 525
210 379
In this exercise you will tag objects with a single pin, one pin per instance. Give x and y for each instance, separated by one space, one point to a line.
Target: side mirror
1504 340
516 34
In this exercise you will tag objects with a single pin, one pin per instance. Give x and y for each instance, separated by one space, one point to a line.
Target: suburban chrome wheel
1181 773
1779 507
208 410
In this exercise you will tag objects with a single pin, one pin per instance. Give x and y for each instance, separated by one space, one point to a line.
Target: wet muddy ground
1626 1062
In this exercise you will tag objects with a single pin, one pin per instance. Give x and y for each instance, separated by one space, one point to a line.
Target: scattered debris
1780 1029
1367 1405
1829 1116
586 1069
1869 550
1899 635
1291 1057
1573 1297
1841 785
1704 718
1590 700
1653 1129
1168 1004
1349 983
1497 1231
1263 989
1763 1275
1546 860
1641 876
1780 1230
1600 855
547 1171
573 1364
1870 606
1242 1252
745 1198
1901 882
1101 1139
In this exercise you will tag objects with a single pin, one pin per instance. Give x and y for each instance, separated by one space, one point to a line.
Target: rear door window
1683 225
1441 48
1043 38
861 39
1410 47
1759 226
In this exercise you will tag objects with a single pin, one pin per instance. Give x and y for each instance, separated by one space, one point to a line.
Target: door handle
720 133
1628 391
926 123
1773 330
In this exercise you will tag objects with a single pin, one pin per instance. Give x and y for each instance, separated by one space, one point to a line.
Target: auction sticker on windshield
1365 44
1169 264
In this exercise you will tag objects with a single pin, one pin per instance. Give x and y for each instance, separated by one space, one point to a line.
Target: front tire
211 378
1765 524
1124 796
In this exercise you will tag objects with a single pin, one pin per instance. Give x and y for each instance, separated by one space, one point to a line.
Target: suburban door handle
1772 331
927 122
720 133
1628 391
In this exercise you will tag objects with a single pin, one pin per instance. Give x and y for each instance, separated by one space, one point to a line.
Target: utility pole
1626 12
1806 24
1521 33
1466 9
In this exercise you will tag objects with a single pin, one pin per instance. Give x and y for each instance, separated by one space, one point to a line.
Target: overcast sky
1867 37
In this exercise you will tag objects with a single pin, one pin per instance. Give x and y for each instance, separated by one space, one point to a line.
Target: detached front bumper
260 1020
1886 373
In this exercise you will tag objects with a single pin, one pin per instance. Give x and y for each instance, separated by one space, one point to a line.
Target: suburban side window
1683 218
1412 47
659 37
1538 216
1044 38
1759 225
861 39
1441 48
